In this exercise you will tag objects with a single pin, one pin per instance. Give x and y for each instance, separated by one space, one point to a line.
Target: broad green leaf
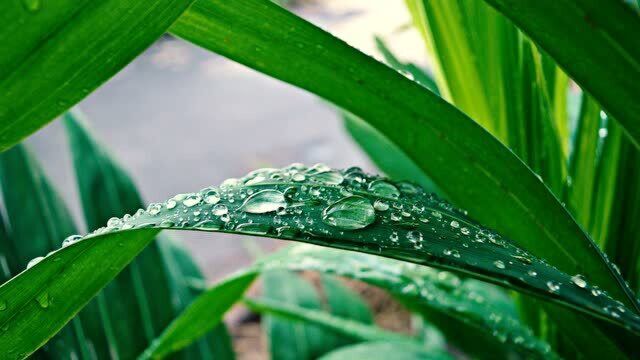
602 37
38 220
147 288
342 209
55 53
200 316
384 350
446 144
344 326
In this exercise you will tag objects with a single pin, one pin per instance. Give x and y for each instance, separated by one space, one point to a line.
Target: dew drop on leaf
171 204
34 261
384 188
264 201
43 300
499 264
380 205
579 281
220 210
70 240
552 286
153 209
211 196
349 213
192 200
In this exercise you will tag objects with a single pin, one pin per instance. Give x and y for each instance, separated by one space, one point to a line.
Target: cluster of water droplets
352 209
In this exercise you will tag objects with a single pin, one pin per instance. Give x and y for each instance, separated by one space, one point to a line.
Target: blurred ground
180 118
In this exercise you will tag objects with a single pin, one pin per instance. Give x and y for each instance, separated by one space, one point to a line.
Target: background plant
488 68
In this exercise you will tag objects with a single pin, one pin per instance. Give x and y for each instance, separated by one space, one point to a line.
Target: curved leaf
446 144
55 53
342 209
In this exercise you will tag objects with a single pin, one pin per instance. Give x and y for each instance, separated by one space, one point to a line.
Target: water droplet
596 291
298 177
553 287
465 231
220 210
43 300
394 237
579 281
415 236
252 228
380 205
171 204
3 305
192 200
499 264
264 201
454 224
211 196
384 188
34 261
32 5
70 240
153 209
114 223
329 177
207 225
349 213
532 273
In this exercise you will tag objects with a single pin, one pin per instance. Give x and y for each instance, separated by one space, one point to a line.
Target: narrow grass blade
55 54
446 144
602 37
200 316
582 163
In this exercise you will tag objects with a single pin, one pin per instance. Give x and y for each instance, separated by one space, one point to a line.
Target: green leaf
442 141
602 37
292 339
201 315
38 220
342 209
384 350
343 326
56 53
474 305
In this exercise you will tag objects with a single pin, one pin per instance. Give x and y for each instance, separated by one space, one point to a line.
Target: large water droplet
211 196
220 210
384 188
579 281
264 201
349 213
70 240
34 261
499 264
192 200
153 209
329 178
